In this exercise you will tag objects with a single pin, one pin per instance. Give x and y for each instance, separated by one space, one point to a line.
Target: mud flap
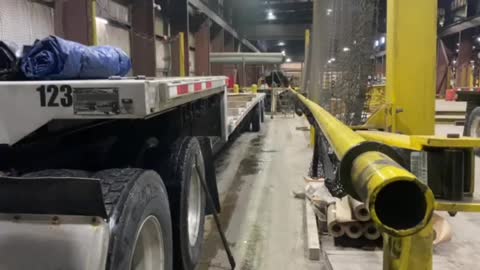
52 196
56 223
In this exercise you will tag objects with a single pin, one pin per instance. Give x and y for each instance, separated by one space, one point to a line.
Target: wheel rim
149 253
475 127
194 205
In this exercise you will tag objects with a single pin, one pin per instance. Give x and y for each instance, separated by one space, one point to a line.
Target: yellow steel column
413 252
307 49
411 68
94 23
182 55
307 38
470 75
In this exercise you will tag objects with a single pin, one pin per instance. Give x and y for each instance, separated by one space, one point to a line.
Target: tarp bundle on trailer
54 58
10 55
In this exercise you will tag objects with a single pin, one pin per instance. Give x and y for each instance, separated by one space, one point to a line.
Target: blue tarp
54 58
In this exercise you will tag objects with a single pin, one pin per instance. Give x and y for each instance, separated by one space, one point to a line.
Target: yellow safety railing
400 205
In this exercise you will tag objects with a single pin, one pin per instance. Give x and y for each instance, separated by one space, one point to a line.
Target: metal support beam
464 70
276 31
247 58
280 6
318 52
217 45
411 62
142 38
75 20
230 69
221 22
179 22
202 49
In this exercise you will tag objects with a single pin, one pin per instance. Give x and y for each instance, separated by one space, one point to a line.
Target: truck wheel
137 204
188 202
472 129
256 119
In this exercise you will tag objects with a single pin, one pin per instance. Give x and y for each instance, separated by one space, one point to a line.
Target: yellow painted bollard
312 136
254 88
236 89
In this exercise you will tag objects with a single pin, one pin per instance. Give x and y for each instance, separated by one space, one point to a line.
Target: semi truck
107 174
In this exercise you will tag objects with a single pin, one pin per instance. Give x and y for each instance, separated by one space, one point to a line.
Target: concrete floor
264 223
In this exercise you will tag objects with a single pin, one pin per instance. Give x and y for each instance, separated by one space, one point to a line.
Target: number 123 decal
55 96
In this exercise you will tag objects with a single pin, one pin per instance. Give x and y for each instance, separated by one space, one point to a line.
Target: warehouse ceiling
276 26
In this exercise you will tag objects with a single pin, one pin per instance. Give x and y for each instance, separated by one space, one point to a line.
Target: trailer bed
27 105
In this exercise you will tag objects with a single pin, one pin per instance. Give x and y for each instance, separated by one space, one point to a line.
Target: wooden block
313 241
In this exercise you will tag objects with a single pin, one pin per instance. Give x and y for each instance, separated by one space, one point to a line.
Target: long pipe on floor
399 204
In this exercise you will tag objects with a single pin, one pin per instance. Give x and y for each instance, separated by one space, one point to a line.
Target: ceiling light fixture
281 43
271 16
101 20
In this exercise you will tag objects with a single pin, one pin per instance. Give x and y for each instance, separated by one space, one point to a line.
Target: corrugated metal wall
162 49
113 10
23 22
163 58
110 34
191 45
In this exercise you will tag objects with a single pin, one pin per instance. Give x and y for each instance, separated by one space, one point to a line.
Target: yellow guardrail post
401 206
183 71
312 136
236 88
254 88
94 34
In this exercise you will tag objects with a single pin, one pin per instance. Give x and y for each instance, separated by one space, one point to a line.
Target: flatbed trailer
472 114
107 174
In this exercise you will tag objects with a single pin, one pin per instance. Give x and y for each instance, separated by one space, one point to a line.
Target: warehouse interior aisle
256 176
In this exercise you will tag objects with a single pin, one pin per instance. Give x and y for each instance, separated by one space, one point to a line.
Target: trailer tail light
198 87
182 89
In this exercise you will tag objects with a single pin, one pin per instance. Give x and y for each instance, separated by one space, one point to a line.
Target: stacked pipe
350 218
399 204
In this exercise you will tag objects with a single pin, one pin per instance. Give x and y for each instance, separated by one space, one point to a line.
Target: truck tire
188 202
59 173
472 128
137 204
256 119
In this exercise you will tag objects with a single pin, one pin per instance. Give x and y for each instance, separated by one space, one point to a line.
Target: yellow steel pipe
340 137
399 203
